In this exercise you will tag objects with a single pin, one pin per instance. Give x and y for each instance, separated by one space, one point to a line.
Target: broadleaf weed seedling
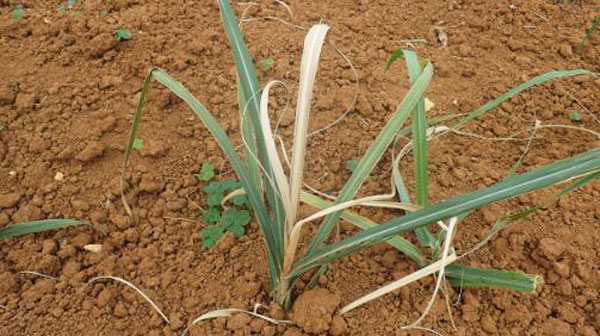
218 218
266 63
351 165
138 144
207 171
122 34
17 13
575 116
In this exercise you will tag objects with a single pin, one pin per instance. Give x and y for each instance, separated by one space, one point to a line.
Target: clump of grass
275 197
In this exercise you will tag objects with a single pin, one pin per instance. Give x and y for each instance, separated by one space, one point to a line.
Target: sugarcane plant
275 196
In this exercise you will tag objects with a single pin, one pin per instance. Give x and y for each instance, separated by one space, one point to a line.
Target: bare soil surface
68 93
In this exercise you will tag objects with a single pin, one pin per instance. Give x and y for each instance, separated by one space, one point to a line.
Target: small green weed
351 165
138 144
575 116
219 220
122 34
206 172
266 63
17 13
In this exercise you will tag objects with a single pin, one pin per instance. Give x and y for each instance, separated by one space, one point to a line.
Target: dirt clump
9 200
551 248
338 326
556 327
91 151
238 321
101 44
313 310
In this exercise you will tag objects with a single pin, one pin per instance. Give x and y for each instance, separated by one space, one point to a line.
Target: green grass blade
400 186
139 112
396 175
509 94
495 278
465 276
589 32
250 88
397 54
37 226
220 136
363 223
419 140
373 154
248 138
540 178
244 65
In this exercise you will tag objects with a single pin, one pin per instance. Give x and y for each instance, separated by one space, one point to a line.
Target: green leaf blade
465 276
363 223
419 140
37 226
514 91
250 89
546 176
373 154
397 54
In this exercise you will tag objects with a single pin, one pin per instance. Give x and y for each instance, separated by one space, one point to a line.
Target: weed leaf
206 172
211 235
122 34
235 221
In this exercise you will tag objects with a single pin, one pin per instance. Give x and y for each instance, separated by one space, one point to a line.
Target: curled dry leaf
441 36
428 104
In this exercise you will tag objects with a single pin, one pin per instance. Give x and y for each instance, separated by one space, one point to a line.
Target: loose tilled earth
67 97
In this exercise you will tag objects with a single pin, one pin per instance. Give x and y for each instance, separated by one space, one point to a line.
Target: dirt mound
313 310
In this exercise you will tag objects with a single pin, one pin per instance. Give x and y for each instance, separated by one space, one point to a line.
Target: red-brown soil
68 93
